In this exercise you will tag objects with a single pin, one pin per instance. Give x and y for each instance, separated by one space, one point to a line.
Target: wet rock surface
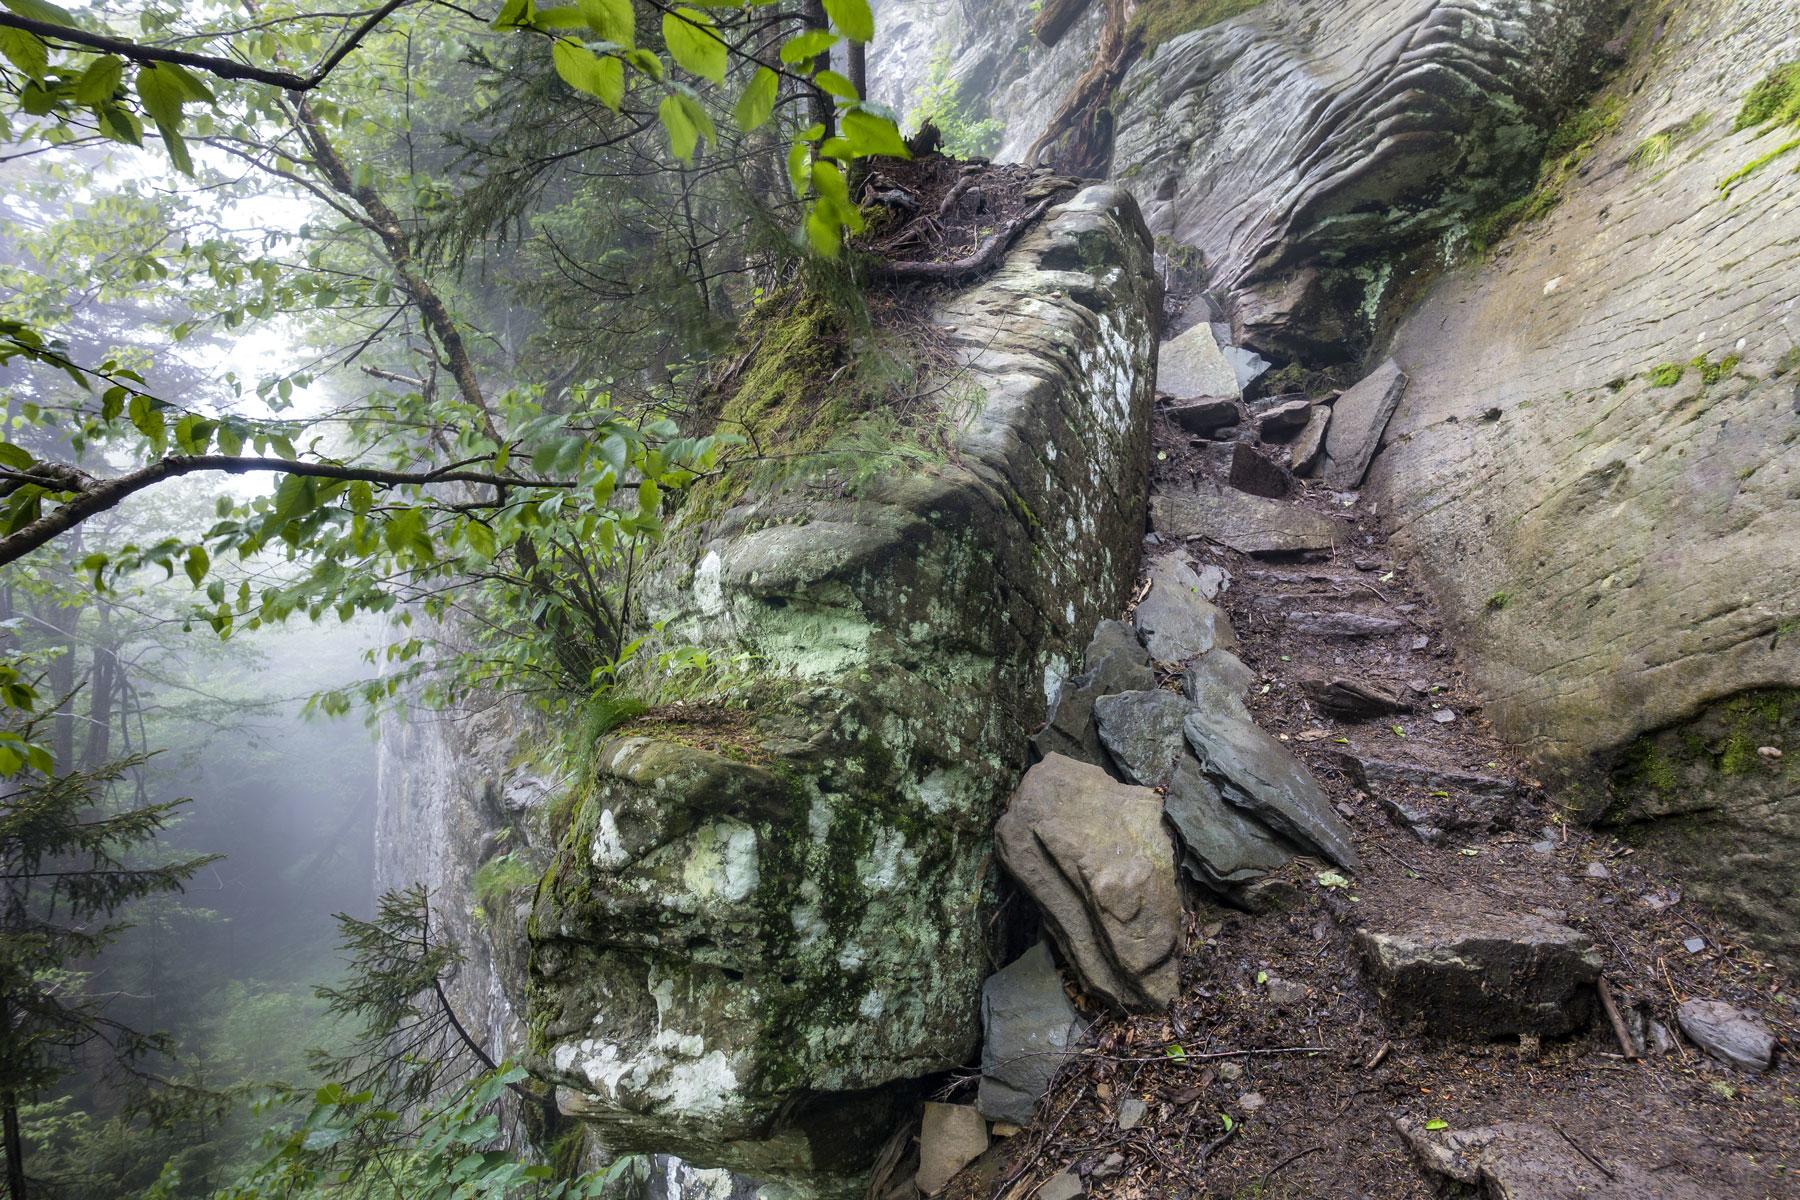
1115 661
1254 772
1177 620
1522 1160
1240 521
1457 970
1728 1033
1091 852
1029 1029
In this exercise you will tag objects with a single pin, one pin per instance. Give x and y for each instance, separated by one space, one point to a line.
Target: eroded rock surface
1029 1029
1524 1160
749 945
1092 853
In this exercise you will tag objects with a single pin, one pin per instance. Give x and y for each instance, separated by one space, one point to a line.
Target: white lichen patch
888 864
709 586
721 861
607 850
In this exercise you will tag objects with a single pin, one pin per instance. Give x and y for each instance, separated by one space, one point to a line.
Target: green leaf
586 71
1435 1124
822 233
686 123
874 136
196 564
757 103
41 10
176 145
645 61
799 165
25 51
160 93
480 539
807 45
362 496
613 20
852 18
836 85
694 43
1174 1050
16 457
101 79
121 125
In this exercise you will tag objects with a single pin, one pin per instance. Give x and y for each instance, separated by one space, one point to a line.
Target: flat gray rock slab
1115 662
1245 523
1248 364
1451 968
1309 446
1224 848
1029 1029
1282 421
1728 1033
1343 624
1257 773
1218 681
1521 1160
1142 733
1204 415
1192 364
1093 854
1380 775
1176 620
1358 420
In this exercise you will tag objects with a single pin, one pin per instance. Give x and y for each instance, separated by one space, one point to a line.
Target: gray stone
1242 522
1257 773
1450 968
1384 775
1358 420
1520 1160
1223 848
1353 699
1175 619
1254 472
1191 365
1132 1112
1204 415
1029 1030
1064 1185
1114 662
1092 853
1251 1101
1309 445
1142 733
1343 624
1597 871
1248 364
1218 680
1728 1033
1283 421
951 1136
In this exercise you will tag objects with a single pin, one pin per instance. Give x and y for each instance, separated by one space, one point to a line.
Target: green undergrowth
1656 148
1156 21
1774 101
1711 371
1569 146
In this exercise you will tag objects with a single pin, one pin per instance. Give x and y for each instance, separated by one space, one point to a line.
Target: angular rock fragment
1093 854
1453 969
1309 446
1029 1029
1358 420
1352 699
1114 662
1192 365
1203 415
1254 472
1728 1033
1256 773
1522 1160
1142 733
1176 619
1064 1185
1246 523
1343 624
1249 365
1219 681
1223 848
951 1136
1281 422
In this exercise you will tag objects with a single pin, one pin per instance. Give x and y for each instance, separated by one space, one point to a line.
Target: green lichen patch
1156 21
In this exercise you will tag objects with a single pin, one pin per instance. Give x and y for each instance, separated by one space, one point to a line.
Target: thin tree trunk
823 110
15 1147
858 60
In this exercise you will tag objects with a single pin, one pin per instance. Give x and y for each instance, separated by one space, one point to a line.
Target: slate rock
1522 1160
1358 420
1353 699
1029 1029
951 1136
1142 733
1192 364
1064 1185
1309 445
1093 854
1257 773
1218 680
1254 472
1203 415
1223 848
1450 968
1728 1033
1176 620
1343 624
1283 421
1249 365
1245 523
1132 1112
1115 662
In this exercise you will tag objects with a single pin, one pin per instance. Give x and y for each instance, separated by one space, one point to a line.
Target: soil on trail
1275 1075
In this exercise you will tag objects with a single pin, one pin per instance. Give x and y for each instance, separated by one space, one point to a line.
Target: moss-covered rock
745 959
1718 799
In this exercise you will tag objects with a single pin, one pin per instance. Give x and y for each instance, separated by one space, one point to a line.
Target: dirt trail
1233 1111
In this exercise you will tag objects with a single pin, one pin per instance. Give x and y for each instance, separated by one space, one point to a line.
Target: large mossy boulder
755 938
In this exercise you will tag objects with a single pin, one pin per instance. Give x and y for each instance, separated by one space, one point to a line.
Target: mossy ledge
749 960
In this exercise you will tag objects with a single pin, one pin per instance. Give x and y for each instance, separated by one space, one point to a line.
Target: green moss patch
1569 145
1775 100
1159 20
